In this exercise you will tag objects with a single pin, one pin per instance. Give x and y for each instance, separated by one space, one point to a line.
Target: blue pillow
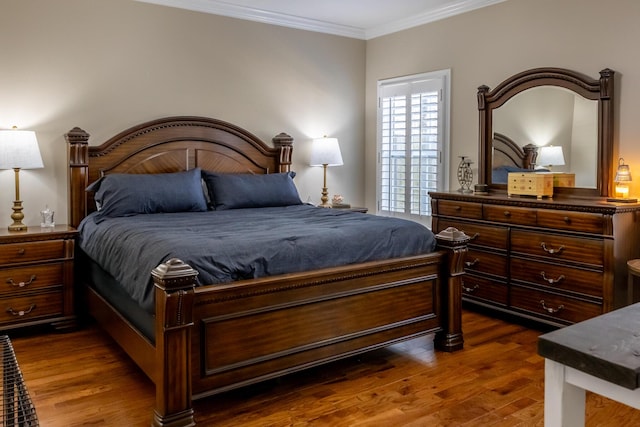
234 191
131 194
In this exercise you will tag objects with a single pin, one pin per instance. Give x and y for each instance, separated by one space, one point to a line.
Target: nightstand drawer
32 307
14 253
28 278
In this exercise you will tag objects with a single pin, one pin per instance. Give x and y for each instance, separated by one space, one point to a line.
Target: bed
207 338
508 156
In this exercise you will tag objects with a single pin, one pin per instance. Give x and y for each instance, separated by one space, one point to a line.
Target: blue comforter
230 245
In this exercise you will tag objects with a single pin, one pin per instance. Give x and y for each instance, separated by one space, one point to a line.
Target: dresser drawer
31 307
509 214
28 278
553 307
486 262
480 288
460 209
575 221
13 253
481 235
587 282
558 247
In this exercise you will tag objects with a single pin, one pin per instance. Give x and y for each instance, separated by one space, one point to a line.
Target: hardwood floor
83 379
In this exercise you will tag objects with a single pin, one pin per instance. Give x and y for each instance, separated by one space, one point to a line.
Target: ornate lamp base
17 216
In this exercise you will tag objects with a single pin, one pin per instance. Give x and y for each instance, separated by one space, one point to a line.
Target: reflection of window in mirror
550 115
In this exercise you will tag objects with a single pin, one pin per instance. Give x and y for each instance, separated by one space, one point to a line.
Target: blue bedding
229 245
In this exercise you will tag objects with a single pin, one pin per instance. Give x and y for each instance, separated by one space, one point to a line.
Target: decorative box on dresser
36 277
557 261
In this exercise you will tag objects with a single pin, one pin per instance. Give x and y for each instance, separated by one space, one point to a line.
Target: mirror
549 107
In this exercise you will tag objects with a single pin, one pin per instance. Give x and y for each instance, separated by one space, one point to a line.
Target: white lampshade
325 151
19 150
550 155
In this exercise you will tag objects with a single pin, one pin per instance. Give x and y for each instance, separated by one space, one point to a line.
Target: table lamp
550 155
325 152
19 150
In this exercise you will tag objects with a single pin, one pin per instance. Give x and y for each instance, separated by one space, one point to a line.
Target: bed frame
210 339
506 152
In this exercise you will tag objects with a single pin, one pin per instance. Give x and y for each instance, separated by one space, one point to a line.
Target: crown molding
454 8
216 7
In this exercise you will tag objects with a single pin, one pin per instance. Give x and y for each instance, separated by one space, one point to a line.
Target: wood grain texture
83 378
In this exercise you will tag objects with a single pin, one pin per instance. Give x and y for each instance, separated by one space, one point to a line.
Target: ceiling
361 19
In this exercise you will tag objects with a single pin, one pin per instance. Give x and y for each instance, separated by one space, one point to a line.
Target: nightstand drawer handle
21 312
21 284
551 251
549 309
551 281
507 214
21 251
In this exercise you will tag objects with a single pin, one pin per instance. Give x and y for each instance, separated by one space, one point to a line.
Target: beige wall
488 45
107 65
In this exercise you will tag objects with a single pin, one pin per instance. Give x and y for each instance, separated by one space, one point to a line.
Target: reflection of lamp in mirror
622 180
19 150
325 152
550 155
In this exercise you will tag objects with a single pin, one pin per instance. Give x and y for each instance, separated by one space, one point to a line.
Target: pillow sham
131 194
235 191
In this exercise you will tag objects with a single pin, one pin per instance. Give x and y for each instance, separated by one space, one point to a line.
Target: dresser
556 261
36 277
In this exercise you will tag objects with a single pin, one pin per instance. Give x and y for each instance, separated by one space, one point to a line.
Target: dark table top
607 346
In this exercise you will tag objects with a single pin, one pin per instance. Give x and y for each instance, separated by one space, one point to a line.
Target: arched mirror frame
600 90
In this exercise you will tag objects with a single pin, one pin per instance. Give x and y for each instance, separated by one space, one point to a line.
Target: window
413 142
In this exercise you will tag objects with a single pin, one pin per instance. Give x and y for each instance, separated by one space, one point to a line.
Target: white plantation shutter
412 143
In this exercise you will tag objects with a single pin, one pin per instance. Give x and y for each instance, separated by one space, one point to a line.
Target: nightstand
36 277
353 209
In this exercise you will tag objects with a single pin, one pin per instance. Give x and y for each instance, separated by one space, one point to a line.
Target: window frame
443 78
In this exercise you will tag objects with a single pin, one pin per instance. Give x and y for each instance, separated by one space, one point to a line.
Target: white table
601 355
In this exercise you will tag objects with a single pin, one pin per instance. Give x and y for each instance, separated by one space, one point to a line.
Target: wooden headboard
171 144
507 153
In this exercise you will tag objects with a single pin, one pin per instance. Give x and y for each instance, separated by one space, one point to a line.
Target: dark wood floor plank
83 379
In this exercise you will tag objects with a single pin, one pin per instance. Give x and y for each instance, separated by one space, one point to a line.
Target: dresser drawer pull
507 214
21 251
470 290
457 208
21 284
567 220
471 263
551 281
550 309
551 251
21 312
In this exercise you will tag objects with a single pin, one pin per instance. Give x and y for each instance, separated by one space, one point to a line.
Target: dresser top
596 205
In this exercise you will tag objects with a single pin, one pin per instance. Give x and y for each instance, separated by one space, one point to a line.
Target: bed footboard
213 339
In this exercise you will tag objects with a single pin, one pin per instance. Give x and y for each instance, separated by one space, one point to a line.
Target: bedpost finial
174 274
77 136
